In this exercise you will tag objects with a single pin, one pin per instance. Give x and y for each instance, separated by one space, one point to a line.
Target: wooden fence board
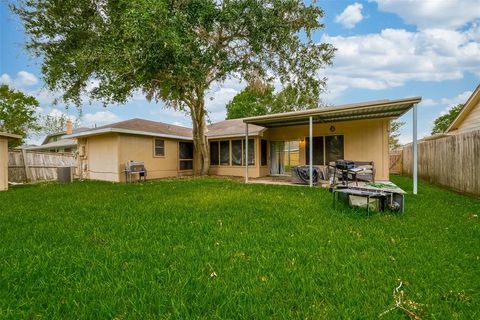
452 161
39 166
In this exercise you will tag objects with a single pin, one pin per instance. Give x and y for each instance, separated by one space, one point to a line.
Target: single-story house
4 137
275 142
55 142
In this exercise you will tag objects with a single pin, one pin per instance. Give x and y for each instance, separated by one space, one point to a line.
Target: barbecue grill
344 164
133 167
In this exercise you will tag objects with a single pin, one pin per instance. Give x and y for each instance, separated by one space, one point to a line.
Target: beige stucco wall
364 140
3 163
141 148
471 121
254 171
101 157
105 157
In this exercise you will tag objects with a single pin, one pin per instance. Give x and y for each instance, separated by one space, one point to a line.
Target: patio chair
368 172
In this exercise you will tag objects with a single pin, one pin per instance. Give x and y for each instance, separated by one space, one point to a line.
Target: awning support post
310 148
415 149
246 152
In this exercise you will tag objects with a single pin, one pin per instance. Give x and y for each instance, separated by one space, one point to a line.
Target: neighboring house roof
139 127
232 128
472 102
62 143
77 130
356 111
9 135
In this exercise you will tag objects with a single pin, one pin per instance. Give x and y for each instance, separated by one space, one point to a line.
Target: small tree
251 101
17 114
393 141
259 99
56 123
442 123
174 50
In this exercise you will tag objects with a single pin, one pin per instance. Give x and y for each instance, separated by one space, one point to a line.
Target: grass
217 249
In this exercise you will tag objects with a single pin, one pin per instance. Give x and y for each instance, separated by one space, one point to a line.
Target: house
469 117
56 143
4 137
166 150
275 142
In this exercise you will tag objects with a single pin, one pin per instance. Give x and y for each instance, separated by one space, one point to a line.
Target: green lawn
218 249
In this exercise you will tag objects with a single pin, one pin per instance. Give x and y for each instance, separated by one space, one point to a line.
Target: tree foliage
174 50
57 123
442 123
257 100
17 114
251 101
393 141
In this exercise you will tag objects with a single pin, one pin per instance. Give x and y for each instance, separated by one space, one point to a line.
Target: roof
62 143
61 133
467 108
10 135
139 127
355 111
232 128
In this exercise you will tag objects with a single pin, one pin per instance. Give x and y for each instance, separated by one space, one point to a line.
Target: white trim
128 131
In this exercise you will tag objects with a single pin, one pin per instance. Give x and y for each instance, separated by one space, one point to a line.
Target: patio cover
357 111
348 112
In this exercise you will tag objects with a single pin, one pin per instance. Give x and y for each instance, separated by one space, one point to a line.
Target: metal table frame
361 193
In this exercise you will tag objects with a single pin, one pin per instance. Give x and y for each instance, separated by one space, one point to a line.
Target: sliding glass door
283 156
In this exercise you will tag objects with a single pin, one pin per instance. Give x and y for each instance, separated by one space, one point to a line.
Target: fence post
25 165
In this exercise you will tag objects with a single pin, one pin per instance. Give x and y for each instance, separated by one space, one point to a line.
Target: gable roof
467 108
139 127
232 128
61 133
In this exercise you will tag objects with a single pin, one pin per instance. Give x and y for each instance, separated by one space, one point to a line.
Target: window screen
251 151
333 148
159 147
186 155
237 152
225 152
263 152
317 150
214 160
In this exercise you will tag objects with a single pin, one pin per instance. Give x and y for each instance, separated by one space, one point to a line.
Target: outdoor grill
132 167
344 164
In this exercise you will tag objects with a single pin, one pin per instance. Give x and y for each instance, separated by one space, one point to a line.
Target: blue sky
386 49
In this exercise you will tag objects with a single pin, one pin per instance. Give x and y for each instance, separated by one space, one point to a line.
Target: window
317 150
186 155
225 152
333 148
214 157
263 152
159 148
237 152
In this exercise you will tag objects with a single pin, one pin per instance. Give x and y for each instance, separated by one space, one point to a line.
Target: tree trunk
200 142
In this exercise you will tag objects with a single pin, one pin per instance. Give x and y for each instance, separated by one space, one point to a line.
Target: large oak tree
173 50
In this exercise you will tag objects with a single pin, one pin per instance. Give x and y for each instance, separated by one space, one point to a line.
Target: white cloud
99 118
350 16
394 56
448 14
22 80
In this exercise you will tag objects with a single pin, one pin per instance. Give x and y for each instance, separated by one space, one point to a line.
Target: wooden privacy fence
30 166
452 161
396 162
